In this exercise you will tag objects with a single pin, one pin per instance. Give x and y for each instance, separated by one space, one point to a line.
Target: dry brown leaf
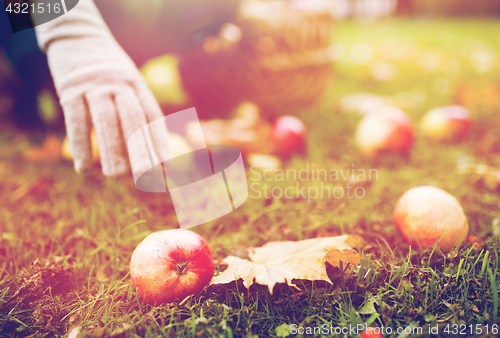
282 262
29 187
490 175
250 135
50 150
355 241
334 256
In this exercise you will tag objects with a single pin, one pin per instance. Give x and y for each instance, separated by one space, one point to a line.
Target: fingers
107 127
156 132
78 131
119 114
132 119
148 101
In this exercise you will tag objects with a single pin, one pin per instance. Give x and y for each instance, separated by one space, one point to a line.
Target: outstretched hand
99 85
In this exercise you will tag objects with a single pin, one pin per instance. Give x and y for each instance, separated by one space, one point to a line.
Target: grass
65 245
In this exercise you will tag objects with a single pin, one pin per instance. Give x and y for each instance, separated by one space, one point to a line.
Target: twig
441 293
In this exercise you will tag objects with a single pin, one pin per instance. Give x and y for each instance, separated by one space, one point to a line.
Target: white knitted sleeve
84 20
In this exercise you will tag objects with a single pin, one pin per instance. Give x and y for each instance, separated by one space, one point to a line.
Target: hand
98 83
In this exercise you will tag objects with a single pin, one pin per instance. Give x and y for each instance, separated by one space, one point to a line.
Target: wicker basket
281 60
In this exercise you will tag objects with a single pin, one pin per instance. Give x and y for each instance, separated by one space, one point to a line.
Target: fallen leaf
279 251
74 333
334 256
283 262
29 187
264 274
355 241
249 134
489 175
50 150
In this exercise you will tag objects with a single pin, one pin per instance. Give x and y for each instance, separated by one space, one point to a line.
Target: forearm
84 20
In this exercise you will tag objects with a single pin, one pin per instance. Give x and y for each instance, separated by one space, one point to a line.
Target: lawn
66 239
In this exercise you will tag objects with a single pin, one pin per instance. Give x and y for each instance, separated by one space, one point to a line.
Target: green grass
65 247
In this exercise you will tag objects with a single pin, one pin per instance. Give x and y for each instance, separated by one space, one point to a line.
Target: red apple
477 241
163 78
425 215
288 136
445 124
385 129
178 145
171 264
371 332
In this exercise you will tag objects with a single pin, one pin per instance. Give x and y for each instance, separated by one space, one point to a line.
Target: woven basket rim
318 57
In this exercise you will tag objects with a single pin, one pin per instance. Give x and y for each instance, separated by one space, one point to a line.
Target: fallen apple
171 264
427 215
264 161
66 150
385 129
248 111
371 332
162 77
477 242
446 124
288 136
178 145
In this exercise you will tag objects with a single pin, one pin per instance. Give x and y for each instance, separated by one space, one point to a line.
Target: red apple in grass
477 241
446 124
387 129
371 332
425 215
288 136
171 264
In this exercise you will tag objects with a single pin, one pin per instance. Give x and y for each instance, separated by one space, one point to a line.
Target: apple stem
182 268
